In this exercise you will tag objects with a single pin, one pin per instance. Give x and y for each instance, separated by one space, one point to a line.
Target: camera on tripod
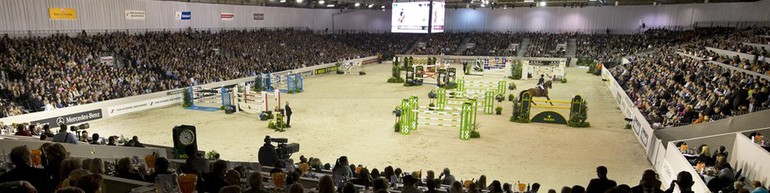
284 150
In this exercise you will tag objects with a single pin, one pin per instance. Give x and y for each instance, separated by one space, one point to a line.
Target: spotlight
299 1
283 1
330 5
543 4
321 2
357 4
482 5
371 5
383 8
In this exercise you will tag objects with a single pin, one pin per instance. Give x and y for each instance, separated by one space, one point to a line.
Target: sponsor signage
259 16
56 13
174 92
135 15
227 16
107 60
71 119
142 105
183 15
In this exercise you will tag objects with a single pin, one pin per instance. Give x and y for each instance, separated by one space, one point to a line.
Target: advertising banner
71 119
135 15
183 15
143 105
56 13
259 16
227 16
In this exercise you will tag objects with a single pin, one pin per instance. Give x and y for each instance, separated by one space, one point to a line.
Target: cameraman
267 155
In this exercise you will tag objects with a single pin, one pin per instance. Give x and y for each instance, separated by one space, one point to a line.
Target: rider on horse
540 82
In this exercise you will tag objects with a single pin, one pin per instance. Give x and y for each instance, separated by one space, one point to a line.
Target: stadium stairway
571 48
523 47
464 46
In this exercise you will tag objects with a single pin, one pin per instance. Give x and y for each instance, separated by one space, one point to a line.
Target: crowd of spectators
387 44
56 171
673 90
546 44
439 44
43 73
493 44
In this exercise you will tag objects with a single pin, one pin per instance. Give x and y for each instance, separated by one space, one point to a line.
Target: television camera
283 149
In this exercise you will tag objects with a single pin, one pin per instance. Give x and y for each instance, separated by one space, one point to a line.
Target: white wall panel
31 15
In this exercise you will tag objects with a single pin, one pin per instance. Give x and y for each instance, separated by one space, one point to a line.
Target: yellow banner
62 13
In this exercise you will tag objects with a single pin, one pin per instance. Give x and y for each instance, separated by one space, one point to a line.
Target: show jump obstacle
254 102
207 99
286 82
463 118
577 111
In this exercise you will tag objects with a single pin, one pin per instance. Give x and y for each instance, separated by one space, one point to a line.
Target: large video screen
414 17
438 17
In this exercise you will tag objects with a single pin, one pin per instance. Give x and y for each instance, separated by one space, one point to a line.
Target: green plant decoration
186 98
578 119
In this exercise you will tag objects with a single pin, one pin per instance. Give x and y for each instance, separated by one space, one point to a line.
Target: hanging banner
227 16
183 15
135 15
56 13
107 60
259 16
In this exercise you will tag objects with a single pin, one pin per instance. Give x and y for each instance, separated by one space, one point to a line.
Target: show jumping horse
536 92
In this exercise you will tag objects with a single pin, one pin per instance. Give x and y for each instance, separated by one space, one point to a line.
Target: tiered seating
60 71
493 44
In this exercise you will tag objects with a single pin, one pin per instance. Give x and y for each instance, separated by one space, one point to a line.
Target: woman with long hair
341 171
326 185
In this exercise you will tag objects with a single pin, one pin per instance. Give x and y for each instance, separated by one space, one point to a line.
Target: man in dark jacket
288 115
20 157
267 155
601 184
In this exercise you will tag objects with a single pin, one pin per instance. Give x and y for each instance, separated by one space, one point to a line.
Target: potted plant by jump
499 110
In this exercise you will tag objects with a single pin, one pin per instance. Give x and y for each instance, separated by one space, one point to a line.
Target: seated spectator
70 190
22 131
326 185
297 188
363 179
255 183
457 187
136 142
409 185
348 188
91 183
22 171
161 167
194 164
73 177
341 171
55 154
758 188
231 189
535 187
84 136
65 137
577 189
17 186
215 179
111 141
600 184
125 170
232 177
683 181
648 184
46 134
96 166
431 185
447 177
95 139
67 166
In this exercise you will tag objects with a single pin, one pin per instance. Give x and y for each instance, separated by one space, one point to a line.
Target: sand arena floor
351 115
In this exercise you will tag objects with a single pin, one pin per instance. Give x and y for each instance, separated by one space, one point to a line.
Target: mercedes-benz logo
60 121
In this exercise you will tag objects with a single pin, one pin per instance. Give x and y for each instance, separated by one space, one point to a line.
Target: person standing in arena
288 115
